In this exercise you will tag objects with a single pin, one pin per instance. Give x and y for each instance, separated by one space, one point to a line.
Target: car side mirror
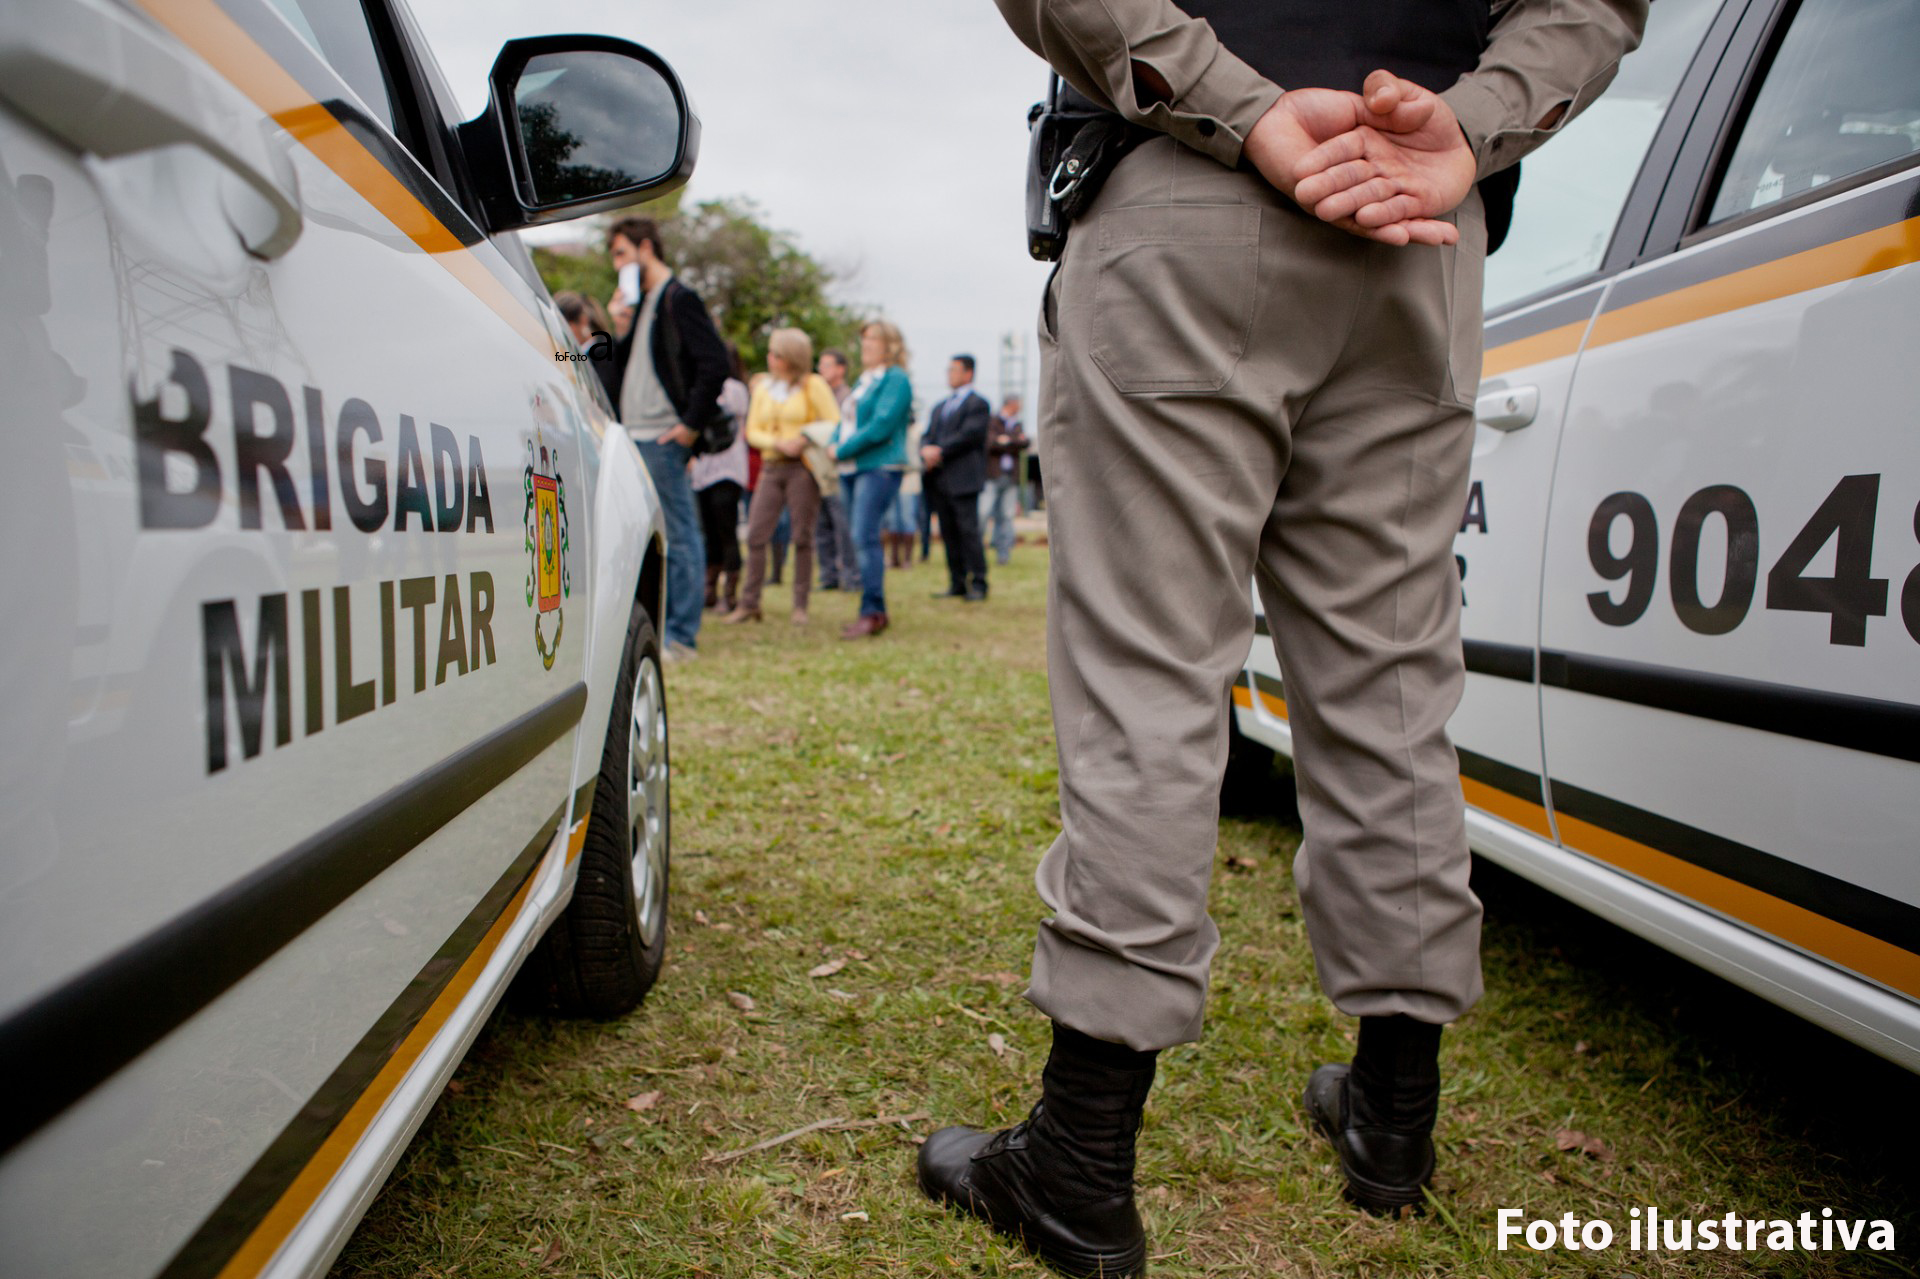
575 125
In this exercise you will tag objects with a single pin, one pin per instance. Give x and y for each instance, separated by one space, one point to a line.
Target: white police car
331 673
1688 558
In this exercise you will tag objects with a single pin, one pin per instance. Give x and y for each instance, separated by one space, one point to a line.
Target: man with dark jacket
954 450
668 368
1262 349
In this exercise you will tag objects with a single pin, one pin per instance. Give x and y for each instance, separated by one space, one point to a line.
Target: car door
1542 288
298 693
1728 635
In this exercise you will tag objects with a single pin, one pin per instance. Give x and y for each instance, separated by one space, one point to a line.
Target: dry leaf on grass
741 1000
644 1102
1237 862
841 995
1580 1048
1000 979
554 1252
700 918
854 1216
998 1043
1569 1139
827 969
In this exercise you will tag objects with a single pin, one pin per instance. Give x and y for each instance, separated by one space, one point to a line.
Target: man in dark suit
954 451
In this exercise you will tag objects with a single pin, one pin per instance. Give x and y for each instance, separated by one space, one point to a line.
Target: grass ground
855 832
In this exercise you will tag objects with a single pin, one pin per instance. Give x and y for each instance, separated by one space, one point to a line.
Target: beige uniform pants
1232 390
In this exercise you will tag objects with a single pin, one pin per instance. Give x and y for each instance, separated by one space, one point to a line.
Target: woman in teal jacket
881 406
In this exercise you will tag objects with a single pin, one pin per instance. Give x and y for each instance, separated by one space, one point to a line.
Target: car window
1572 189
338 32
1842 95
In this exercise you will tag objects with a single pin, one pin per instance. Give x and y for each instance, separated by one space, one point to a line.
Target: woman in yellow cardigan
786 400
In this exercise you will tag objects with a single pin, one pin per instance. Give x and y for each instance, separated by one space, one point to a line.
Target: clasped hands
1386 164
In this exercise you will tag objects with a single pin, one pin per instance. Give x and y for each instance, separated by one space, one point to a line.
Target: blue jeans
870 496
999 503
901 515
686 546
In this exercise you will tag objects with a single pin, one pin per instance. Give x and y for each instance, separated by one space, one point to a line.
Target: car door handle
96 78
1507 409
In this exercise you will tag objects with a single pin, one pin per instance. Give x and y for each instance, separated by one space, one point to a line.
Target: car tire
603 955
1249 786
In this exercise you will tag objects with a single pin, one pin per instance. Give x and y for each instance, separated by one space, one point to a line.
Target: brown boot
713 586
867 624
730 590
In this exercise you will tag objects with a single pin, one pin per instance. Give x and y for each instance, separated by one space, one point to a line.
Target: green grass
883 804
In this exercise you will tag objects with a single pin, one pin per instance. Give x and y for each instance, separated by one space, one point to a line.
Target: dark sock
1100 1052
1395 1083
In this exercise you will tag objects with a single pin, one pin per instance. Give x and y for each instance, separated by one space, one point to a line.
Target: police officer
1260 356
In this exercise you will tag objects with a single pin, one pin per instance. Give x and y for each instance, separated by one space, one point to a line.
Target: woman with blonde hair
787 399
882 407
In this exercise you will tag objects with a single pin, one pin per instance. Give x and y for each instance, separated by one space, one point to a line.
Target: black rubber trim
1502 661
1517 782
65 1043
1269 685
1774 240
1719 104
1663 157
1893 922
407 171
230 1224
1866 724
1260 626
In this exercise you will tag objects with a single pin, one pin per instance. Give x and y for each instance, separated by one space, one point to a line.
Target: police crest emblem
549 581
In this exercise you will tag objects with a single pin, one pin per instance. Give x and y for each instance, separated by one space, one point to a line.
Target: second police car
1690 555
332 681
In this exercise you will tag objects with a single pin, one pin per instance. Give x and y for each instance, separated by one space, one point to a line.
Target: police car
1689 554
332 674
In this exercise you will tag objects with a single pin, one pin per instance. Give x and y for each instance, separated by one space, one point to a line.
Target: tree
754 279
549 149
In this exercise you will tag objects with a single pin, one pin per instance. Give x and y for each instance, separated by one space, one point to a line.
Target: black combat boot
1379 1112
1061 1180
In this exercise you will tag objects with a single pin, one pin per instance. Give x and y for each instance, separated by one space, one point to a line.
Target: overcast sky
888 136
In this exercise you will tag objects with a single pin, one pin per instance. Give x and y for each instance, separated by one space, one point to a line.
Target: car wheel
603 955
1250 786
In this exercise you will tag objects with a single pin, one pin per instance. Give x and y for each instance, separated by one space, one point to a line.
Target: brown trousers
1232 390
784 486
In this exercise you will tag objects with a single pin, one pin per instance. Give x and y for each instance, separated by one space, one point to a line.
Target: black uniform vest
1333 44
